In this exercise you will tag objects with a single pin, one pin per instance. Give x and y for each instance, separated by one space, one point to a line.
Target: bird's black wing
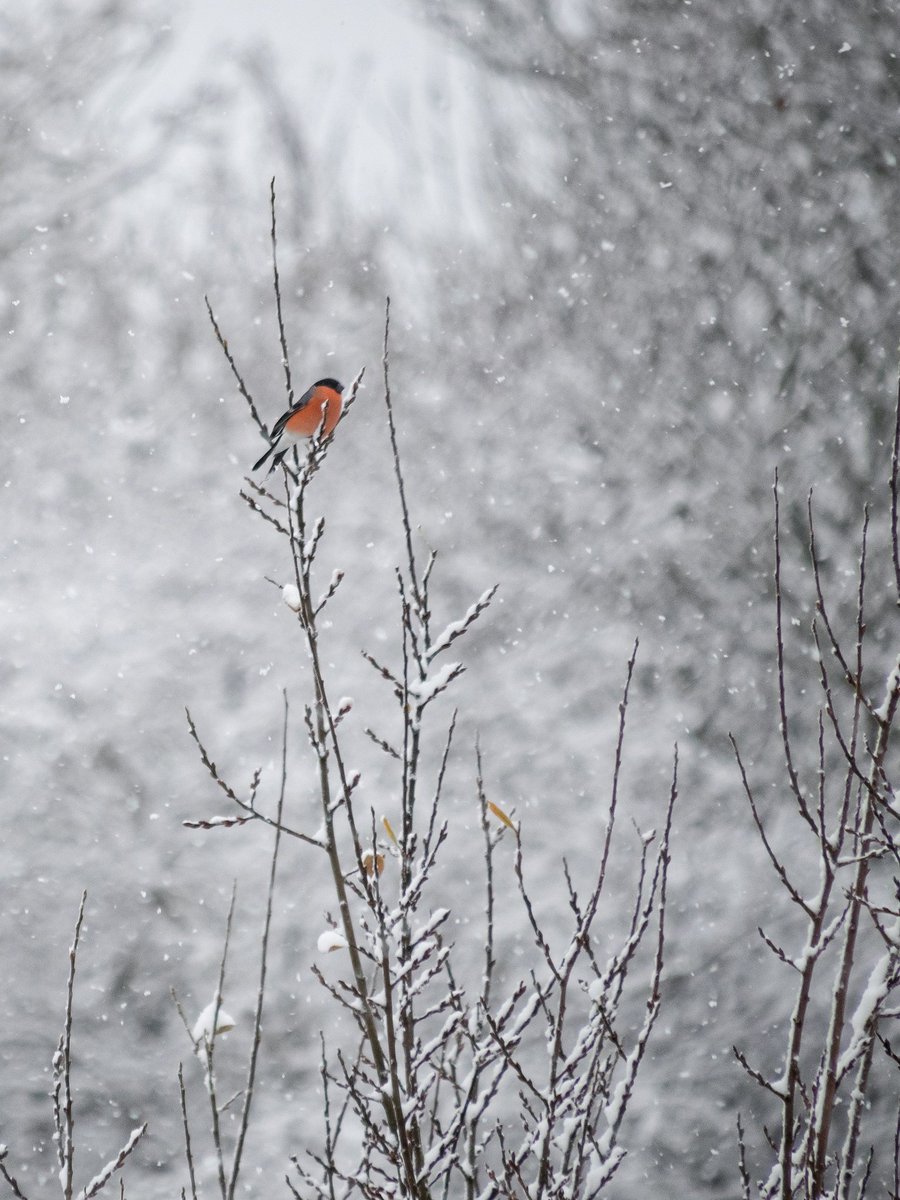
278 427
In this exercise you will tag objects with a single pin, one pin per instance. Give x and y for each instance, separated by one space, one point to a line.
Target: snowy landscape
527 739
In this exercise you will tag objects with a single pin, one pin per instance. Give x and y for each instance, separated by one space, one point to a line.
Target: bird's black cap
329 383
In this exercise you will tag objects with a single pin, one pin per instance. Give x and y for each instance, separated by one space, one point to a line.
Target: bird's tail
257 465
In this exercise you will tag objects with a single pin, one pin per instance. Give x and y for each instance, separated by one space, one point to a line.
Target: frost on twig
103 1177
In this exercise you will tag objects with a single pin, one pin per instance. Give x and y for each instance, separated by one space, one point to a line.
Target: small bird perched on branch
304 418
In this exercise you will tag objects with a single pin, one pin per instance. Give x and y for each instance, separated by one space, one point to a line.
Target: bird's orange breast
306 420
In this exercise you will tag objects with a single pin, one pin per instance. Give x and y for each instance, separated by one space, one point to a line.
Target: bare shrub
447 1083
845 960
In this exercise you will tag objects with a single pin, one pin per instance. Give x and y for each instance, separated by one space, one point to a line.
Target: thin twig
401 486
895 488
242 387
102 1178
285 357
742 1161
778 865
69 1119
208 1042
264 953
782 683
187 1133
250 809
10 1179
488 882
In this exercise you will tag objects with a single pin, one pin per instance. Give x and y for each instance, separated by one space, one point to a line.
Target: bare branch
285 357
10 1179
264 951
242 387
782 685
66 1063
188 1151
103 1177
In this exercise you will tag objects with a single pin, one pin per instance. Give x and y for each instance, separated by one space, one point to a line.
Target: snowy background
637 260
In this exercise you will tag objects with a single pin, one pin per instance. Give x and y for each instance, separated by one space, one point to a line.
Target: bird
304 418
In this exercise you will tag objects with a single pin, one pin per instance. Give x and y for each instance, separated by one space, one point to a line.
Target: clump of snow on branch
211 1022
